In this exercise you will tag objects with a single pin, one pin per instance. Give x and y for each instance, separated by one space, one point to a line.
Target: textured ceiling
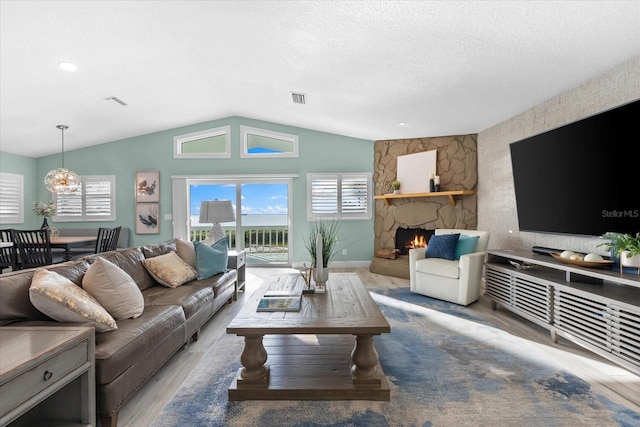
443 68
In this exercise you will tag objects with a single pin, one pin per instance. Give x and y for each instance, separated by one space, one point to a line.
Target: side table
47 375
237 260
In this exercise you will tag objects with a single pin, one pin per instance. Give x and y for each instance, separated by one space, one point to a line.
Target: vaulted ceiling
365 67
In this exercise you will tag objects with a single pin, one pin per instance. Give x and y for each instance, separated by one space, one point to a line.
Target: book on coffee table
282 293
280 303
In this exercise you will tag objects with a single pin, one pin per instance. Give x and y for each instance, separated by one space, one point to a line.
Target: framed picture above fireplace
414 171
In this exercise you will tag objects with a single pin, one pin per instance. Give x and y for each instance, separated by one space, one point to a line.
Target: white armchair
456 281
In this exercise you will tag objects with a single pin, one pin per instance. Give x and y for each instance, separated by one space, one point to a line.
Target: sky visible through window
257 199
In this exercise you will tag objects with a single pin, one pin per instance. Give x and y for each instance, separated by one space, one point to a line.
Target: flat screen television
582 178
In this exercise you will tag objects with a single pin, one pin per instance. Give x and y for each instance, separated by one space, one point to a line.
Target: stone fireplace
457 167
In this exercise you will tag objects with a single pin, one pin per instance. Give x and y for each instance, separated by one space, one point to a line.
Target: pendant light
61 180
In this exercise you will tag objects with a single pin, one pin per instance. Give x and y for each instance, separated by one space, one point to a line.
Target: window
260 143
94 201
11 198
263 206
205 144
339 196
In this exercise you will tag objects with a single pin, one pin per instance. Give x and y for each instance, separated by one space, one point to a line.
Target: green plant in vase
324 235
625 246
395 185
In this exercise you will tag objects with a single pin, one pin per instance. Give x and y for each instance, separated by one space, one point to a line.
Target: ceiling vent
115 99
298 98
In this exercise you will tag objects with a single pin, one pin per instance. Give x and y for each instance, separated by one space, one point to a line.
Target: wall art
148 186
147 218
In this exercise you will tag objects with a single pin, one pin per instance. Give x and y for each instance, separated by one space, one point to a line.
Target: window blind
339 196
11 198
94 201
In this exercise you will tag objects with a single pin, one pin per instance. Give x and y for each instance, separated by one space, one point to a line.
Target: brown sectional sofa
128 356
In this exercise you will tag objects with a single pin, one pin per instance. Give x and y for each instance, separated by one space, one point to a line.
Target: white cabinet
598 309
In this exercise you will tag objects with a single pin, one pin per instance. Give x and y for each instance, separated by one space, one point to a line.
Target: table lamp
216 211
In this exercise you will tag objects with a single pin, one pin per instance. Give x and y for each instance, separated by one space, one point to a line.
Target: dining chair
33 247
8 255
107 239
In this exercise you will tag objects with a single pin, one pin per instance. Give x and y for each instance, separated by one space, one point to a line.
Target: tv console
596 308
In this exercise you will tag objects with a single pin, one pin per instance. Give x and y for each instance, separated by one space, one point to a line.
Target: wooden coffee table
325 351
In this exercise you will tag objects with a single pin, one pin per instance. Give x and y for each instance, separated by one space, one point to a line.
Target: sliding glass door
265 223
262 216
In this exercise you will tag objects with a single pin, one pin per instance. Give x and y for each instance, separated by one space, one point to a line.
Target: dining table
68 242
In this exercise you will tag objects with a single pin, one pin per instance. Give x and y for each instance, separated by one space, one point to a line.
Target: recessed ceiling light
402 123
67 66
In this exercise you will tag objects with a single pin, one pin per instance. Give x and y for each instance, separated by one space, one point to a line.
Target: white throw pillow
114 289
62 300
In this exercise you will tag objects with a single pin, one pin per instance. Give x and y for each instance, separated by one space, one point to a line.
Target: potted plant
396 186
625 246
329 240
46 210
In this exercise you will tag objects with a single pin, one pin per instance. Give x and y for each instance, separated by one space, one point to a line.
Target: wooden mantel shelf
449 194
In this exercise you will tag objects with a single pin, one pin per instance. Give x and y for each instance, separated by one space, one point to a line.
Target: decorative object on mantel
61 180
436 183
432 183
46 210
322 247
395 185
624 246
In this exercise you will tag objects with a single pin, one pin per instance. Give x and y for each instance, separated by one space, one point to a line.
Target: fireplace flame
417 242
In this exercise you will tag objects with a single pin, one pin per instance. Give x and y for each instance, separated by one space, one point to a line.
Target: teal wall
319 152
27 167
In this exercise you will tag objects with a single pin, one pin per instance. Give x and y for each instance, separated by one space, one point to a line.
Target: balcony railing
266 244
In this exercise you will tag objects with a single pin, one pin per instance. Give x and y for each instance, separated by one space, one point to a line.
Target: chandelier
61 180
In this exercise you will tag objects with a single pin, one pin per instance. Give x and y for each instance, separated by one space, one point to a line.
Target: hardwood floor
606 378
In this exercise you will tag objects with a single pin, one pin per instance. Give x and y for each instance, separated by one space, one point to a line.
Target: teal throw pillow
442 246
211 260
466 245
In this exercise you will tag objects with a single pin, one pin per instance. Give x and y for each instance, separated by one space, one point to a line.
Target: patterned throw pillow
442 246
211 260
114 289
466 245
62 300
169 270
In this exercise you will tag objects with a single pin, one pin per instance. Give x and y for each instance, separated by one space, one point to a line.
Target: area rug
445 365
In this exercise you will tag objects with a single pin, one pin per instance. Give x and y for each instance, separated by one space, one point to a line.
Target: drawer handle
47 375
